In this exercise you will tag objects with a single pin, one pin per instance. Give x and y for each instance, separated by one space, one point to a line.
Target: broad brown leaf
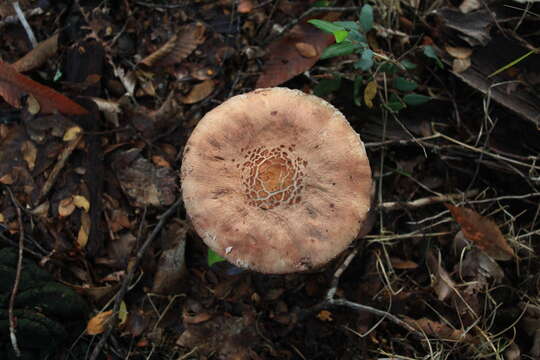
14 85
483 232
287 56
37 56
177 48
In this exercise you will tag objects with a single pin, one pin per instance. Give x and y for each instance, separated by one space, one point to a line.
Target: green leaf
394 104
366 17
429 51
388 68
343 48
366 61
355 35
357 90
407 64
327 86
403 84
349 25
326 25
212 257
341 35
416 99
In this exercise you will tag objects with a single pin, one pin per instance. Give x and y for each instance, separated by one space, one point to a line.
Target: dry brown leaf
13 86
37 56
97 324
160 161
2 219
84 231
443 285
66 207
459 52
71 133
325 315
29 153
245 6
469 5
199 92
439 330
460 65
306 50
285 60
33 105
177 48
401 264
483 232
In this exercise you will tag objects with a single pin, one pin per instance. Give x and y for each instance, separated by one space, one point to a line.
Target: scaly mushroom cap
276 181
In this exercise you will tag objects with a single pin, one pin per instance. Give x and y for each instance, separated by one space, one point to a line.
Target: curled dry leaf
81 202
459 52
439 330
97 324
199 92
84 231
245 6
66 207
483 232
37 56
443 285
29 153
286 58
13 86
460 65
177 48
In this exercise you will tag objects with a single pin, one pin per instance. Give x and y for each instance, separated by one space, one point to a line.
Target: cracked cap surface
276 181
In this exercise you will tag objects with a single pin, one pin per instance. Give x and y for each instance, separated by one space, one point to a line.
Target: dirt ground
97 102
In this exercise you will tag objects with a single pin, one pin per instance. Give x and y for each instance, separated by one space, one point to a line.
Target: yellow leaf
325 315
96 325
123 313
2 219
81 202
369 93
72 133
84 231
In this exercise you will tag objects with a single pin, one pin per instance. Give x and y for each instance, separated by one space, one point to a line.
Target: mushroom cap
276 181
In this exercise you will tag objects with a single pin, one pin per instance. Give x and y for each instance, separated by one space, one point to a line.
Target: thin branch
25 24
132 267
414 204
12 323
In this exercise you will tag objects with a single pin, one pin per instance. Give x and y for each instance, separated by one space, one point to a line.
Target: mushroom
276 181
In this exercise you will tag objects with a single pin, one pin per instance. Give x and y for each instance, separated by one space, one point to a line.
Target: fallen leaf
306 50
33 105
285 60
401 264
245 6
2 219
177 48
325 315
38 55
443 285
13 86
84 231
66 207
29 153
439 330
97 324
81 202
483 232
369 93
199 92
460 65
459 52
469 5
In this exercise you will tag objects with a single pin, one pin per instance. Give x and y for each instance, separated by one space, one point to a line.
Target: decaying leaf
483 232
37 56
286 60
29 152
459 52
199 92
439 330
171 266
460 65
13 86
81 202
369 93
97 324
84 231
66 207
177 48
401 264
443 285
325 315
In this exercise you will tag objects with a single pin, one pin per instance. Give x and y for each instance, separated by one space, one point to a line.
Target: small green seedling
351 38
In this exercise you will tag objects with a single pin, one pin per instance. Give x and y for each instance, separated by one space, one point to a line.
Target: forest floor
445 94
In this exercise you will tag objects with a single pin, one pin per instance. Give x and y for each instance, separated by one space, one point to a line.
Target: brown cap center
272 177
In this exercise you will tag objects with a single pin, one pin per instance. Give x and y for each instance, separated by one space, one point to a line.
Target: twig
132 267
13 19
414 204
62 158
24 23
12 324
163 6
